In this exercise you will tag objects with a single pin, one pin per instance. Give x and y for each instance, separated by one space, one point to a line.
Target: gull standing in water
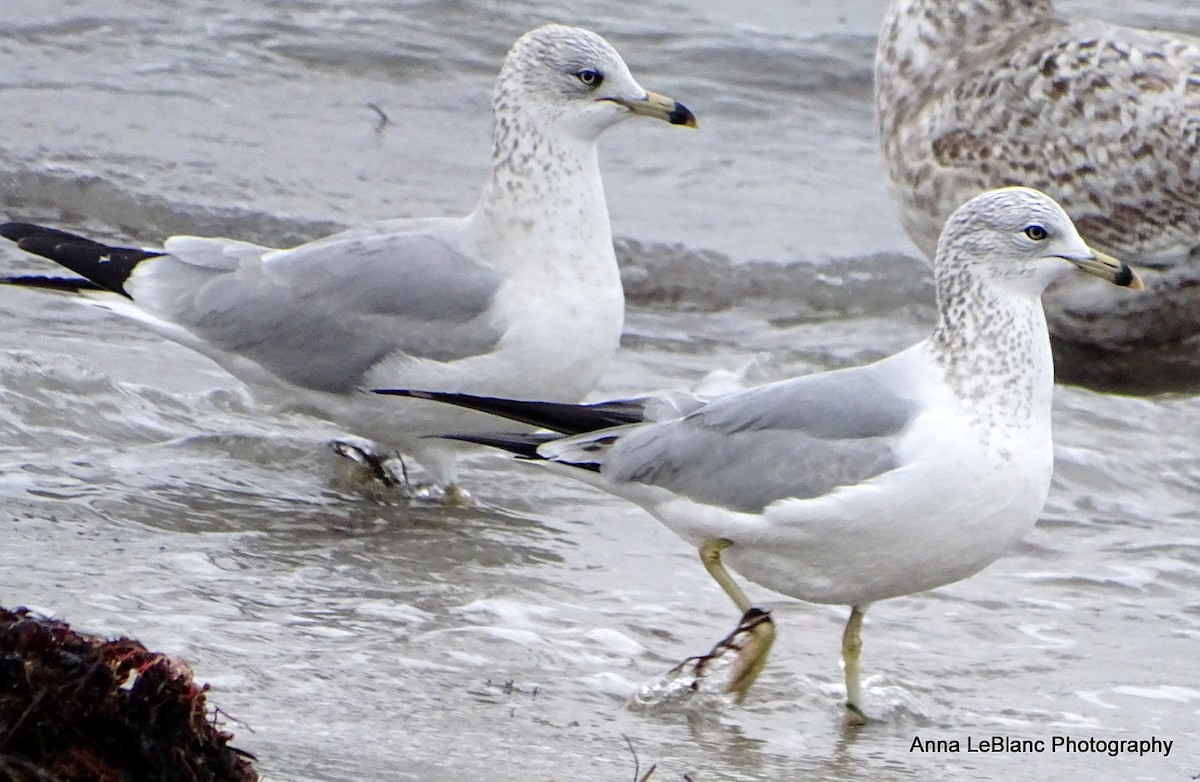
860 484
521 297
976 94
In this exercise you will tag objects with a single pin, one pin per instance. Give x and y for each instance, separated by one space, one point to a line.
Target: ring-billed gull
521 297
1104 118
860 484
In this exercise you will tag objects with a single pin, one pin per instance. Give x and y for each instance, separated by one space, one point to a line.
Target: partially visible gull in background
1103 118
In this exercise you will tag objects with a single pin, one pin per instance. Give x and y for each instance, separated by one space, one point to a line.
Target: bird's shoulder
855 402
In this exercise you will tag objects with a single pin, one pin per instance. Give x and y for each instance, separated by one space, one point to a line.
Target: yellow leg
851 649
710 555
751 639
757 635
456 497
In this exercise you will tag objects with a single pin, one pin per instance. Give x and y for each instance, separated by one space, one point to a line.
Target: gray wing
797 439
323 314
1103 118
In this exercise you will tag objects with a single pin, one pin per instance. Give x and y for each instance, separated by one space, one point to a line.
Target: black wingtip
105 265
19 231
42 282
559 417
521 444
403 392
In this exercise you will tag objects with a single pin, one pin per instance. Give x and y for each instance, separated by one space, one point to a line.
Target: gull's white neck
993 346
543 214
551 181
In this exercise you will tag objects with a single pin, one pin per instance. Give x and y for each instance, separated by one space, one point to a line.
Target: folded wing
801 438
324 314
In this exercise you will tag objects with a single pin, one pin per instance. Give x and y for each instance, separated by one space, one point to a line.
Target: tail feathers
558 417
68 284
106 266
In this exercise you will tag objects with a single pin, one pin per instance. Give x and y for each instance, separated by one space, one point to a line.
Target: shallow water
354 635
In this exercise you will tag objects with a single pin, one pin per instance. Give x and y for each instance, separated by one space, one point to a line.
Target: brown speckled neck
531 167
993 346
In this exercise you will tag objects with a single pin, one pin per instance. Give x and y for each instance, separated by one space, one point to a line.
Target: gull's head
572 78
1021 239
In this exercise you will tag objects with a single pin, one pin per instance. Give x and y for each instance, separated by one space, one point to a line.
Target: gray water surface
354 635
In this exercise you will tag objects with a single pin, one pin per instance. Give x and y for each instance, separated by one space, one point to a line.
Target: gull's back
323 316
798 438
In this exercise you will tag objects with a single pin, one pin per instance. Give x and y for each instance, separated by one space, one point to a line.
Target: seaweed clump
78 707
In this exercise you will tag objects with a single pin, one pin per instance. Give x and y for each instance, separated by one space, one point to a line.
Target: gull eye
590 77
1036 232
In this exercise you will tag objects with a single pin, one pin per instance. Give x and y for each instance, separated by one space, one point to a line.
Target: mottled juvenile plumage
975 94
520 297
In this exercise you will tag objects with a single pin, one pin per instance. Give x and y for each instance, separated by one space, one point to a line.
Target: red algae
77 707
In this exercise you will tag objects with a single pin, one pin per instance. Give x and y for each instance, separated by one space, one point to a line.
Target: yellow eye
590 77
1036 232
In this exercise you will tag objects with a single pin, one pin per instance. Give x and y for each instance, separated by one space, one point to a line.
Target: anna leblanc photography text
1091 744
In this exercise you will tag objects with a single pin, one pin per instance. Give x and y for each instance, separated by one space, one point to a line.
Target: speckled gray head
1022 239
572 77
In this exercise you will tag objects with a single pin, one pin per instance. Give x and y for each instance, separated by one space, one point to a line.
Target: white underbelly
930 523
